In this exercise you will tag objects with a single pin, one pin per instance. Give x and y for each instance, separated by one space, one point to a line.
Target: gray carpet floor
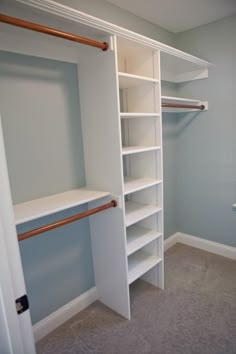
195 314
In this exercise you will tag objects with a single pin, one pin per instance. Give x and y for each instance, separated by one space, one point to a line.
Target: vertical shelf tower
141 134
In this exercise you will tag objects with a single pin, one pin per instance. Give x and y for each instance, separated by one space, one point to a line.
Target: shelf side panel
98 89
109 258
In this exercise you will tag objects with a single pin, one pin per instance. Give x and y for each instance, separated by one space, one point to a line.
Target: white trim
81 17
57 318
197 242
171 241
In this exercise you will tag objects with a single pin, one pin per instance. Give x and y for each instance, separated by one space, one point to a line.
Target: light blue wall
206 147
39 106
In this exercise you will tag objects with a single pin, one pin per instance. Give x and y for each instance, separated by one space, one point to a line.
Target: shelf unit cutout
139 263
38 208
141 135
138 237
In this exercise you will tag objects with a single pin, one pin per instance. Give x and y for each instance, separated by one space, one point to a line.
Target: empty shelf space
38 208
132 184
129 115
130 80
139 263
138 237
135 212
126 150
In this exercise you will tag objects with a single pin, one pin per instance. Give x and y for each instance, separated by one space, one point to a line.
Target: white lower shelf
132 184
128 115
135 212
139 263
38 208
126 150
138 237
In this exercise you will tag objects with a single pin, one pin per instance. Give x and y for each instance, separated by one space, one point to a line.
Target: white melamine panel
182 100
174 69
132 184
125 115
110 260
100 115
139 263
138 237
45 206
130 80
99 104
126 150
135 212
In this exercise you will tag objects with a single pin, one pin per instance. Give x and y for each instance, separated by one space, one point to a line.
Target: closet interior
120 105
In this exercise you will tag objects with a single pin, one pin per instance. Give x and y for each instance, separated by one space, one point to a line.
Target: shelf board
130 80
132 184
126 150
139 263
182 100
128 115
38 208
172 99
138 237
135 212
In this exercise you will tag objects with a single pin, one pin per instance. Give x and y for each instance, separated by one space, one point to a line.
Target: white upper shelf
38 208
130 80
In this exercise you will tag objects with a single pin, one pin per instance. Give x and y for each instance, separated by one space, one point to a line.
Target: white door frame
16 330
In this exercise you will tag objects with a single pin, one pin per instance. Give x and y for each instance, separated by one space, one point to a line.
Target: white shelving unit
138 77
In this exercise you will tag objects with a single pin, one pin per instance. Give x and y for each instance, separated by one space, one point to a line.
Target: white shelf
130 80
182 100
128 115
132 184
126 150
139 263
135 212
138 237
38 208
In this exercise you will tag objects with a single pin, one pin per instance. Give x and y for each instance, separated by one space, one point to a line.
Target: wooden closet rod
65 221
178 105
51 31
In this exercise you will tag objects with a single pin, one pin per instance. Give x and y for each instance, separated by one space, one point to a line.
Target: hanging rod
179 105
51 31
56 224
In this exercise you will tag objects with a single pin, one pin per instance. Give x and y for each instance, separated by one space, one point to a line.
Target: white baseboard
171 241
197 242
57 318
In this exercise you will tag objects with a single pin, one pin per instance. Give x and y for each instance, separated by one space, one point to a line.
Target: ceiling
179 15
